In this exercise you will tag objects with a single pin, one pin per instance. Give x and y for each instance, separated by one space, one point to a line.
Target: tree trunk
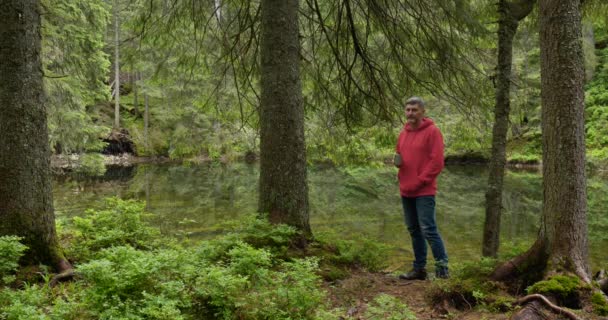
116 66
510 14
218 10
146 122
26 204
283 184
134 85
563 127
562 240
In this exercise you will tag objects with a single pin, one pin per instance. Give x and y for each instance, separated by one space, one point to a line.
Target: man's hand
414 186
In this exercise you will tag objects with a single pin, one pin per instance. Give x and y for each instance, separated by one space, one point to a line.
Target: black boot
442 272
415 274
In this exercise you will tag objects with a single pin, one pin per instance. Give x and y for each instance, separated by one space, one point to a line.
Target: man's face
414 114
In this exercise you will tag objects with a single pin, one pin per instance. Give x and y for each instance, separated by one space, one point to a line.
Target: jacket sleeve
435 163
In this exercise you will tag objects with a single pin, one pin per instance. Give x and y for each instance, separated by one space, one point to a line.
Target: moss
565 289
600 306
557 285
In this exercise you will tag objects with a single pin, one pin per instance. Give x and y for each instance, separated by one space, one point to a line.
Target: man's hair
415 100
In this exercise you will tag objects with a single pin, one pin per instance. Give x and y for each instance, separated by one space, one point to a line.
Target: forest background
189 84
180 79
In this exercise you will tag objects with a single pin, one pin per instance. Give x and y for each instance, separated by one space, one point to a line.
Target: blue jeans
419 215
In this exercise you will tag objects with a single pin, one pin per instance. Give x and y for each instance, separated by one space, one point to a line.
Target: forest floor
354 294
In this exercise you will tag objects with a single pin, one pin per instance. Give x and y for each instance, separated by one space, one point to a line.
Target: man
420 148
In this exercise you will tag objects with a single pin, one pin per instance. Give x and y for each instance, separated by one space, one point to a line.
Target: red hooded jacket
421 152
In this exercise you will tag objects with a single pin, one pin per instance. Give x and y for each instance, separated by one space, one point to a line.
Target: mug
397 160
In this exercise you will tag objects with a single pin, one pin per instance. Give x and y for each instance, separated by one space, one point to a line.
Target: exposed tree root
532 311
66 272
61 277
530 262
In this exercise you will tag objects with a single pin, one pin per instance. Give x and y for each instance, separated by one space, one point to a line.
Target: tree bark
510 15
146 122
26 204
283 189
563 127
116 66
134 85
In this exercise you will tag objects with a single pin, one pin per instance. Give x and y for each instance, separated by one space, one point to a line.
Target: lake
354 203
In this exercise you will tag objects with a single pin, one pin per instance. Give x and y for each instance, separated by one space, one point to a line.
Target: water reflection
189 201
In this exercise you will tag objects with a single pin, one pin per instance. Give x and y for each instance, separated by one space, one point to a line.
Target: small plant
600 306
387 307
11 251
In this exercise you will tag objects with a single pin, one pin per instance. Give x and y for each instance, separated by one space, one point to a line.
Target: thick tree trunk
563 127
562 240
283 184
26 204
510 14
116 66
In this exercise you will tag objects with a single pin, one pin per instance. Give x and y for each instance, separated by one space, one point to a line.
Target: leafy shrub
227 278
252 230
387 307
11 251
120 223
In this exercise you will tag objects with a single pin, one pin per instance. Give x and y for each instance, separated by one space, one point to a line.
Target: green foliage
120 223
227 278
475 269
526 148
596 106
11 251
253 232
144 284
387 307
600 306
92 164
339 146
468 286
364 252
500 304
76 67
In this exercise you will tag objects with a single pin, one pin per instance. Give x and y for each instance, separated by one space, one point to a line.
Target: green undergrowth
127 270
600 306
10 252
387 307
469 288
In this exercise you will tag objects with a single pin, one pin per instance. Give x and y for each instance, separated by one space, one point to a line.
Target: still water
355 203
